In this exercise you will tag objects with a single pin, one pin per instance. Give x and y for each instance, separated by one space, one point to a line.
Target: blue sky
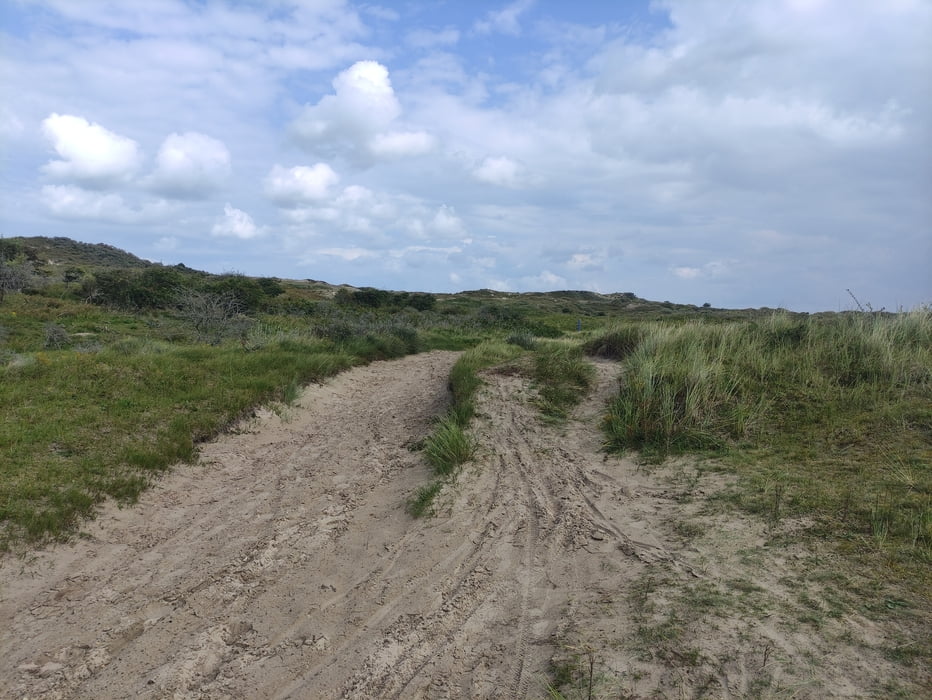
753 153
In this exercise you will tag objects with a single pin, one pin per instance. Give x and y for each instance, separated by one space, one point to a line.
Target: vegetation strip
449 446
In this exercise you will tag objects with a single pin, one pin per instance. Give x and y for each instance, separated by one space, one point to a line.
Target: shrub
214 316
56 337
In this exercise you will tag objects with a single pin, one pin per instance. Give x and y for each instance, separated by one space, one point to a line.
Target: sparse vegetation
449 446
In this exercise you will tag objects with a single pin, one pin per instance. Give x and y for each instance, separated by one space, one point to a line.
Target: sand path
284 565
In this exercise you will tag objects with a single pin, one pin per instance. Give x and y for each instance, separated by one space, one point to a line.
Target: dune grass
78 427
828 417
562 375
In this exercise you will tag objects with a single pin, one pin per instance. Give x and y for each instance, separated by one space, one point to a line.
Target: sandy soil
285 566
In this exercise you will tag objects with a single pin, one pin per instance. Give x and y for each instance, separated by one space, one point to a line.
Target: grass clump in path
448 447
563 377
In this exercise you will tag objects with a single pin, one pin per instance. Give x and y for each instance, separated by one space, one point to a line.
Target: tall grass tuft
448 447
616 343
680 390
563 377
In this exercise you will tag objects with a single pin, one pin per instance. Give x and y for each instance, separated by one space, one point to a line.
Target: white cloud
359 120
687 273
714 268
401 143
505 20
91 155
447 224
546 280
235 223
498 171
350 254
300 185
190 165
363 104
71 202
585 262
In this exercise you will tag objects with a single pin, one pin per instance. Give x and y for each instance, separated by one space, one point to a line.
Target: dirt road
285 566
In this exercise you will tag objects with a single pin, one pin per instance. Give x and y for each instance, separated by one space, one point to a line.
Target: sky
741 153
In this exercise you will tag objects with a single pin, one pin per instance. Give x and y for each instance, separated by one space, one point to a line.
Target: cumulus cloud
300 185
713 268
349 254
546 280
446 224
190 166
90 154
585 262
235 223
363 103
358 119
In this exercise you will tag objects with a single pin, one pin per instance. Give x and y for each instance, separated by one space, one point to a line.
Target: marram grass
824 416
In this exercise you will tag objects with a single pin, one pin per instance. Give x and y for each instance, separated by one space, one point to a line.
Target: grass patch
78 427
448 447
563 377
824 417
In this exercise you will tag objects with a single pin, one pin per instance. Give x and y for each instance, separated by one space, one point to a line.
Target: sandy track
286 567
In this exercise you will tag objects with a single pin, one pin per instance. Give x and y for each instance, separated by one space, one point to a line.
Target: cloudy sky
735 152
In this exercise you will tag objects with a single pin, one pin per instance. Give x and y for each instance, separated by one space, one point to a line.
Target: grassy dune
828 418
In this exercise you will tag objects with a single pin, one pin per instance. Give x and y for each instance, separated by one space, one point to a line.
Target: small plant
616 343
575 673
448 447
291 392
563 377
422 503
56 337
214 315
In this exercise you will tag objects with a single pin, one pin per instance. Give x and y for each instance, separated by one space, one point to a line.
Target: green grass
563 377
449 446
78 427
828 417
119 397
